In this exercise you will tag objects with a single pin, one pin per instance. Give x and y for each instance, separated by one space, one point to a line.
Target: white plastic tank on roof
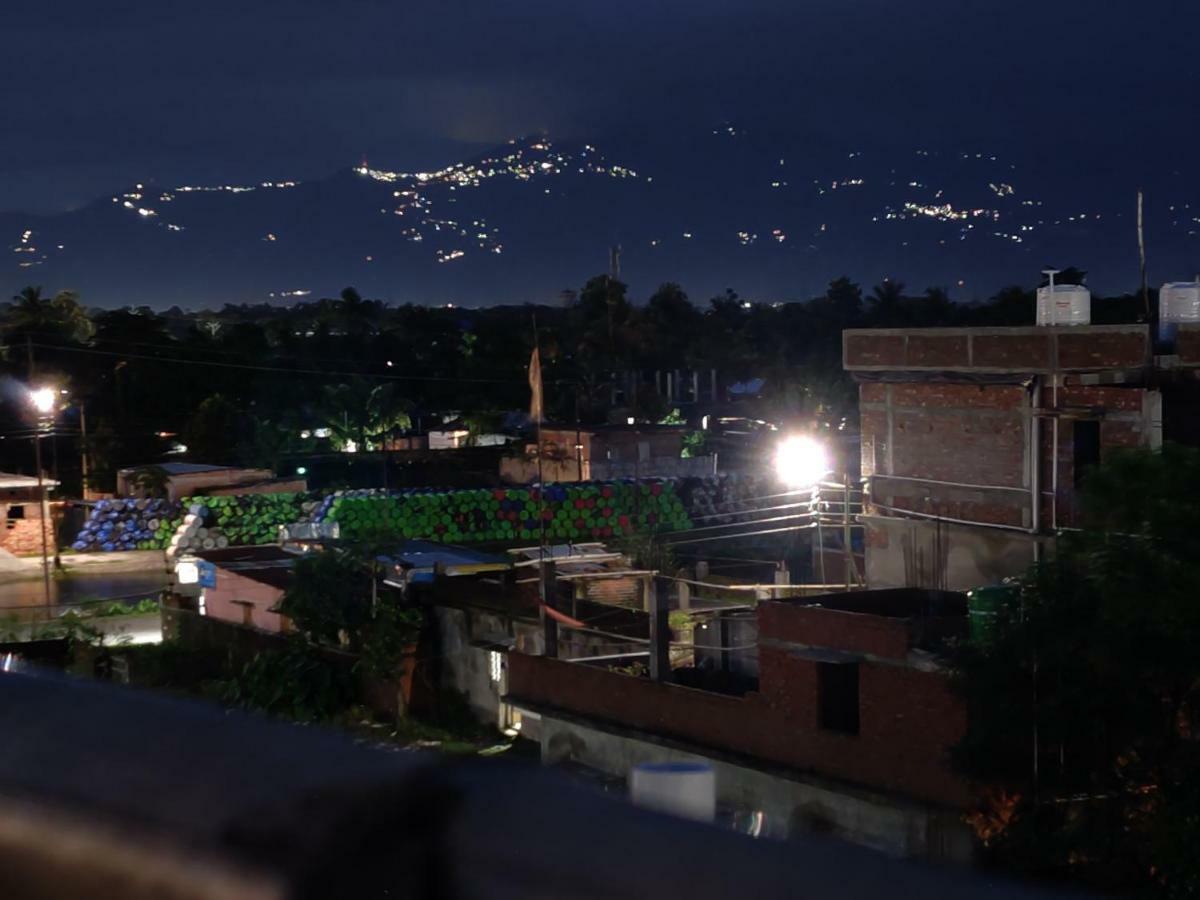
1064 304
1179 301
686 789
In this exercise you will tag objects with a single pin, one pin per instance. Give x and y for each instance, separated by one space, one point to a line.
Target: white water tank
687 789
1179 301
1064 304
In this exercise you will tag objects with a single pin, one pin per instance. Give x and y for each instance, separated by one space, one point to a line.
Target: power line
730 537
806 515
279 369
751 512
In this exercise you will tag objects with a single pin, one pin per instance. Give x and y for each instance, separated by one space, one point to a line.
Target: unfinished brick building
974 440
847 729
26 531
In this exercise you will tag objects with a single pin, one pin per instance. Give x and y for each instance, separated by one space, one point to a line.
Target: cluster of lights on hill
423 204
537 161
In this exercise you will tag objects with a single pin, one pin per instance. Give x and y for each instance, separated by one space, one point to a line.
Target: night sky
98 95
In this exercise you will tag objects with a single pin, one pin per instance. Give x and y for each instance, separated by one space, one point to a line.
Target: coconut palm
364 413
35 315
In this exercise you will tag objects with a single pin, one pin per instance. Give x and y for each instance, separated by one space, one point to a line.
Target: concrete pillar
549 623
685 595
646 583
660 632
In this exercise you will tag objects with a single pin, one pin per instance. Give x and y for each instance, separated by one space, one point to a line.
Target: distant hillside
768 217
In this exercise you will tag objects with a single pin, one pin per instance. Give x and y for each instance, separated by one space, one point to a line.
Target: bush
296 682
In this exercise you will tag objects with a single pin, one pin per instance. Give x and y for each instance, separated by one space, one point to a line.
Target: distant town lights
801 461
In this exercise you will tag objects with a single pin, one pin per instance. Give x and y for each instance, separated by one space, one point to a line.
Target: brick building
21 510
182 479
975 440
605 451
847 730
248 583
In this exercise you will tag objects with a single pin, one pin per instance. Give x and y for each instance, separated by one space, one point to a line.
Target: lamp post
801 461
42 400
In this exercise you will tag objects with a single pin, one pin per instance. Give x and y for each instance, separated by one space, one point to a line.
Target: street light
801 461
43 399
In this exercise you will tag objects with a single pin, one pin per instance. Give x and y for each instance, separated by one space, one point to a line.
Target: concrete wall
925 554
657 466
244 601
274 486
524 470
790 806
469 669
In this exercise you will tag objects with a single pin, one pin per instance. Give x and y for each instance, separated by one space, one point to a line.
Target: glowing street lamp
43 400
801 461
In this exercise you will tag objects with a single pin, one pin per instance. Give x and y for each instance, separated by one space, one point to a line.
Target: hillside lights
801 461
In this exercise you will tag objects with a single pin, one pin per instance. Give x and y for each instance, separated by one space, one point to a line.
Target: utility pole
660 629
1141 237
83 448
578 440
547 587
846 544
45 507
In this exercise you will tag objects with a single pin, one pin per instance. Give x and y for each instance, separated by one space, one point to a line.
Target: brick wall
1064 349
1187 345
909 718
972 435
23 537
976 436
834 629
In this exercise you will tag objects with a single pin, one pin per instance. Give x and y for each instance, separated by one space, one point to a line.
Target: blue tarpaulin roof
425 556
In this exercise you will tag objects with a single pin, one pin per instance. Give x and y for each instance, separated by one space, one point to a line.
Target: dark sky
102 94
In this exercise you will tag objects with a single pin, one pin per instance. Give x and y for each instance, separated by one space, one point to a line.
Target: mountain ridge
535 216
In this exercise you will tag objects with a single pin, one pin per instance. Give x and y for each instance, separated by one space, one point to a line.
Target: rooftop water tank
1064 304
687 789
1179 301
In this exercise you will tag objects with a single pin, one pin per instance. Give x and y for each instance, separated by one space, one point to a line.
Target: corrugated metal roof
180 468
9 480
455 560
269 564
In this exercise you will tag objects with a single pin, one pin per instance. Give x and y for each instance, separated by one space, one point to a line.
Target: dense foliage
1083 710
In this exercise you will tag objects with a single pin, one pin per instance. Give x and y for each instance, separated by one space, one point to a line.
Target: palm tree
59 317
356 315
886 302
364 413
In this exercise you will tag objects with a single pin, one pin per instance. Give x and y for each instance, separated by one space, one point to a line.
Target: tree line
254 384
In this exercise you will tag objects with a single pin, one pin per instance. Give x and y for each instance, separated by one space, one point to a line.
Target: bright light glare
801 461
43 399
187 571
